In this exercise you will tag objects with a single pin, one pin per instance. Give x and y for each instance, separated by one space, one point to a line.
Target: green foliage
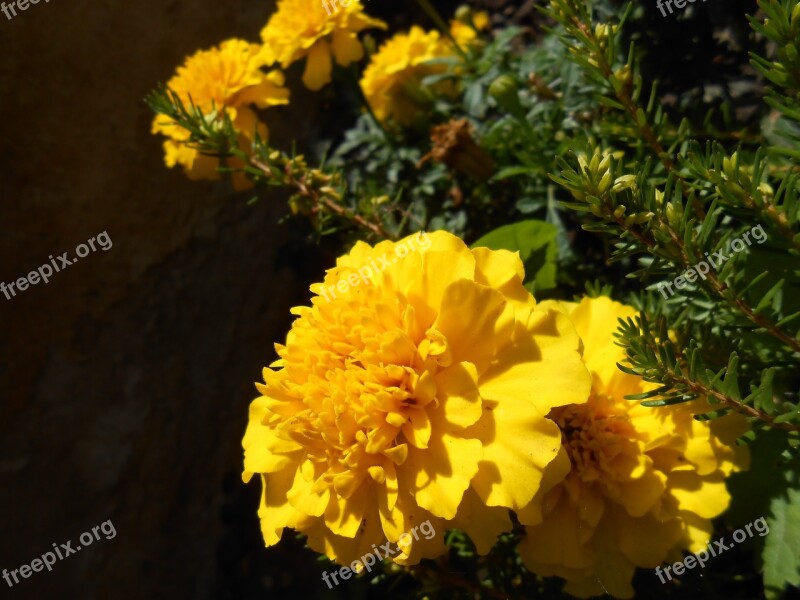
782 546
536 243
427 190
782 27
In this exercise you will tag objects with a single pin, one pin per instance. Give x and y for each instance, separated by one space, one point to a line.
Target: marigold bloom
641 483
392 80
314 29
226 78
465 34
420 395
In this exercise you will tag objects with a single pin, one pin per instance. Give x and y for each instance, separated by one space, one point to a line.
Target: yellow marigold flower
641 483
226 79
464 34
414 388
315 29
392 80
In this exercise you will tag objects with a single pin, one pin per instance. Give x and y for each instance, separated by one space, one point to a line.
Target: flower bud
605 163
624 182
791 52
505 92
674 214
605 182
464 14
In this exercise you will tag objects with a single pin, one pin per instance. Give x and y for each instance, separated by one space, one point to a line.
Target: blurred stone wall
125 381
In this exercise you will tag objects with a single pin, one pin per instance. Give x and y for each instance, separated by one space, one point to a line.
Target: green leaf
475 100
776 480
507 172
536 243
782 545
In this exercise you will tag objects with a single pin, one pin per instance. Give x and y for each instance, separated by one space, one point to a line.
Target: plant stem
437 19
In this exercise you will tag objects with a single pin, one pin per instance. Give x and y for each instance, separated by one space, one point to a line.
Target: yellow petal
261 445
503 271
317 73
425 278
556 541
346 47
706 496
275 512
596 320
697 530
417 430
639 495
460 402
303 498
480 522
345 550
491 318
442 472
554 473
265 94
427 531
648 542
514 461
543 367
344 517
612 571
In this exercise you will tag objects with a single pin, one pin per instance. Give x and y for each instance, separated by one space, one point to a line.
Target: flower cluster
300 29
465 31
445 393
230 79
227 79
422 397
632 485
392 81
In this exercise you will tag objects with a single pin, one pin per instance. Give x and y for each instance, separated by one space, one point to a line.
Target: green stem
437 19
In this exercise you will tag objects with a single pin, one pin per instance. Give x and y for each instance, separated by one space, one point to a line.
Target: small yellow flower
465 34
414 388
226 79
392 80
633 485
314 30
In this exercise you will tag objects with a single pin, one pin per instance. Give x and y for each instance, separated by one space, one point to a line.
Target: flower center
597 436
362 397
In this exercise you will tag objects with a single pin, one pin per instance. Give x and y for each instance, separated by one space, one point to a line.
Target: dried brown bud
454 146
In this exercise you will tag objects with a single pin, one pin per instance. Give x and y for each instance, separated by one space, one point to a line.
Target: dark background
125 381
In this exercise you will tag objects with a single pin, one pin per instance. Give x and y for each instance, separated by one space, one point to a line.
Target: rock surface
125 380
